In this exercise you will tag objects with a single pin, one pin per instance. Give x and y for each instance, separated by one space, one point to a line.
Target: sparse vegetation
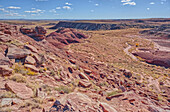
19 68
18 78
65 89
7 94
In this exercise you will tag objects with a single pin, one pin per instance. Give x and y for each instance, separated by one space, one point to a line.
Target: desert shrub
18 78
19 68
65 89
31 73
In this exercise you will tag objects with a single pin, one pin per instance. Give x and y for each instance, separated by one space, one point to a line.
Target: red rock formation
37 34
160 58
65 36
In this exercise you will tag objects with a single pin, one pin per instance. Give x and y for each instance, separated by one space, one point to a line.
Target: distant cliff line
99 26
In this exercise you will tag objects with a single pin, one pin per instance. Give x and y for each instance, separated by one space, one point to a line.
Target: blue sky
84 9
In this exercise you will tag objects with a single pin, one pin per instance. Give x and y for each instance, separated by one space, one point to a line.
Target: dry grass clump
18 78
64 89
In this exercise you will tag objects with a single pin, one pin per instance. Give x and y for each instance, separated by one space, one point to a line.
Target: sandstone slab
30 60
84 83
5 70
17 53
32 48
32 67
20 89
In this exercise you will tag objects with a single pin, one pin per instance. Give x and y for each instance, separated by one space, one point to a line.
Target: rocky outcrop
37 34
77 102
11 30
32 48
20 89
14 52
65 36
160 58
97 26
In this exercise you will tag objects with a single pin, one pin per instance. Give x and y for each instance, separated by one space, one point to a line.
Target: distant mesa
98 26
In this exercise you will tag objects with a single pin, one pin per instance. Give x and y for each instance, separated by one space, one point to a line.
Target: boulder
5 70
32 48
13 52
4 60
32 67
83 76
30 60
20 89
84 83
107 108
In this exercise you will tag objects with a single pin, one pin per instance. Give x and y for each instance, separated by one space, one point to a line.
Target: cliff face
98 26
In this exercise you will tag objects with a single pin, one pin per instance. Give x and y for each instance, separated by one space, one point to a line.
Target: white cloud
68 3
35 11
152 3
13 7
58 7
2 9
15 14
66 7
96 4
128 2
148 8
